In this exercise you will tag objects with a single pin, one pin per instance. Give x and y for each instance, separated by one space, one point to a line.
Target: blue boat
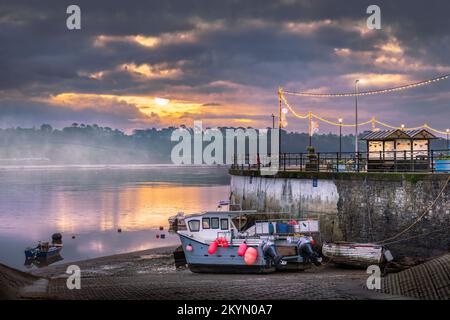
42 250
45 249
245 242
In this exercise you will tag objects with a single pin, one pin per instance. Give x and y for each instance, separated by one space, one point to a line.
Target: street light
340 137
356 125
403 127
356 116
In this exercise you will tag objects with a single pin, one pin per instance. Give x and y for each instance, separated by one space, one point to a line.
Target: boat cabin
398 150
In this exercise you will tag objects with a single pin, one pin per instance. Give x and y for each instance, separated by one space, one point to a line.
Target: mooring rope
419 235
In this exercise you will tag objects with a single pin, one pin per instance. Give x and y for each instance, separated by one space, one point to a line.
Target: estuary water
88 205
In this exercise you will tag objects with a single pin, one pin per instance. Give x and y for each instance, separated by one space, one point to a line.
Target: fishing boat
356 254
45 249
245 242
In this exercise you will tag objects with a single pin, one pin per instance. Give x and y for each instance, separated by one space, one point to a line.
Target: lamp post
340 137
280 94
356 116
273 121
356 125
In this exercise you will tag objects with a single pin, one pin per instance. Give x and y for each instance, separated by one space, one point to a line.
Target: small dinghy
45 249
356 254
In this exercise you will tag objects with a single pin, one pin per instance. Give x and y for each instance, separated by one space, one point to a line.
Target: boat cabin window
214 223
224 224
206 223
194 225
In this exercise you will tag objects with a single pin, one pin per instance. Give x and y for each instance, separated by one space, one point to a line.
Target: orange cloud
145 104
165 111
199 28
378 79
151 71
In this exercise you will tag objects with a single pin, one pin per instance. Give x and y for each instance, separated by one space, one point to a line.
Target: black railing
388 161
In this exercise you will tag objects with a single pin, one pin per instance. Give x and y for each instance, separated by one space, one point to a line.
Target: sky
143 64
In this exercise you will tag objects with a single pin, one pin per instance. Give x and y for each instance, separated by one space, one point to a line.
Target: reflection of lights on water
96 246
140 207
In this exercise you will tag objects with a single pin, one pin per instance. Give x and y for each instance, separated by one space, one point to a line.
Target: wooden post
280 94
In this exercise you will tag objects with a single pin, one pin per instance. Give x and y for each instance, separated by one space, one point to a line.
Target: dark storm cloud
247 43
29 113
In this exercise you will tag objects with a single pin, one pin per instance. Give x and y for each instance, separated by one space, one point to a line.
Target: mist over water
92 202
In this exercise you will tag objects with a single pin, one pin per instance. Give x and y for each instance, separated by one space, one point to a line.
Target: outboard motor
57 238
270 251
304 247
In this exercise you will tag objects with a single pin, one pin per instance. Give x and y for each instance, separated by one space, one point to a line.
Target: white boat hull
356 254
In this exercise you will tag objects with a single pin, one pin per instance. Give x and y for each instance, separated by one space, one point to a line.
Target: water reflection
41 262
92 204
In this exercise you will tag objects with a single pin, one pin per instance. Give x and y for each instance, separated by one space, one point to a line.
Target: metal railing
436 161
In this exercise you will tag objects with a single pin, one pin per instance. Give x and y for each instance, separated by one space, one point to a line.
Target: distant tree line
93 144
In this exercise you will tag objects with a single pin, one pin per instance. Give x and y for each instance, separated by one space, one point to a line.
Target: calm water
91 203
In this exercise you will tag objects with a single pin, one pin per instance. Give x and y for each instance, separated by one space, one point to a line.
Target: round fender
189 248
251 254
242 248
212 247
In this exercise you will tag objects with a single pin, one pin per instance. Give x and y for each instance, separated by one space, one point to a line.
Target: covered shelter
398 150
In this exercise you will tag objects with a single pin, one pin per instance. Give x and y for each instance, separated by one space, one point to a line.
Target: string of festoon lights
371 92
310 115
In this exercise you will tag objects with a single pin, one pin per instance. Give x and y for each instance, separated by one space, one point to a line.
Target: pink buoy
212 247
242 249
189 248
251 254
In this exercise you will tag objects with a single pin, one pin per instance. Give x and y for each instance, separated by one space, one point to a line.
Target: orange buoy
242 248
251 254
222 242
212 247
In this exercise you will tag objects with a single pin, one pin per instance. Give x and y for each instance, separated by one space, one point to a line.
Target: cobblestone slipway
150 275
